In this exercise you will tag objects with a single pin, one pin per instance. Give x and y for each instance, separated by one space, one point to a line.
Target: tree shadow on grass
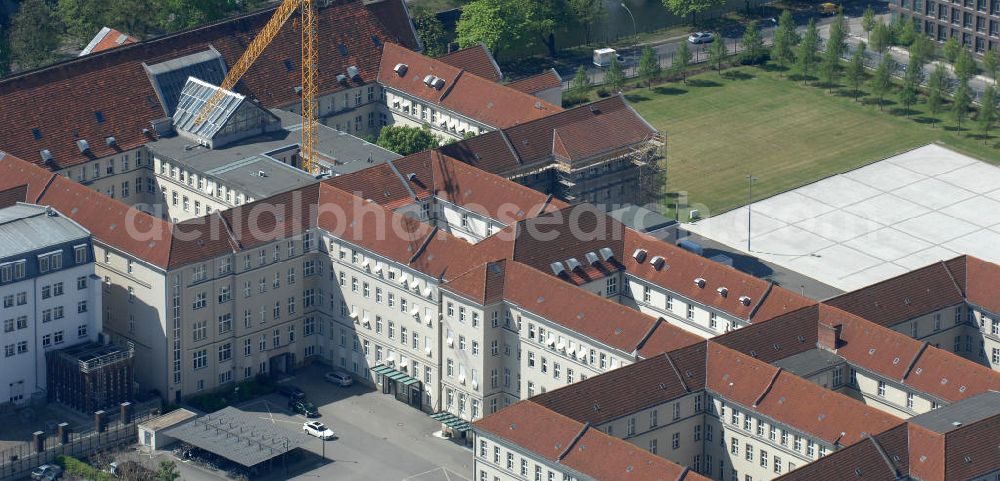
797 77
636 97
737 75
925 120
699 82
669 91
902 111
850 93
771 67
954 128
874 102
981 136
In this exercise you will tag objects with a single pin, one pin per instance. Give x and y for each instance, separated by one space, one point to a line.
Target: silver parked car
701 37
341 379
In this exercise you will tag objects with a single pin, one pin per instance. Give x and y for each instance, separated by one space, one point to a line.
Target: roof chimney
829 336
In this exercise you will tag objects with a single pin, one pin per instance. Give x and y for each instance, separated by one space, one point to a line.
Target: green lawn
785 133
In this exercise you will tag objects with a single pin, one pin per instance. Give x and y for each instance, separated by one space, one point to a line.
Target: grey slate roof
240 436
966 411
807 363
27 228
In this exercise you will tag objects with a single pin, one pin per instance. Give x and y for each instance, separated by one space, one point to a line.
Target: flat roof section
239 164
967 411
805 364
238 436
873 223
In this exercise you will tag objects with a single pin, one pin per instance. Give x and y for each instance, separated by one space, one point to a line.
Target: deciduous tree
405 140
950 49
991 63
614 77
881 82
911 81
960 103
587 13
868 21
581 82
717 53
805 56
785 39
987 110
431 32
965 66
681 61
683 8
880 38
752 43
922 49
649 66
935 90
34 35
856 69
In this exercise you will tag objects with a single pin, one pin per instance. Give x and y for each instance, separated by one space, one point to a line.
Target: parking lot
378 438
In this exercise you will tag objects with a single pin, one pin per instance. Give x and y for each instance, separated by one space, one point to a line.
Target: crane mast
308 74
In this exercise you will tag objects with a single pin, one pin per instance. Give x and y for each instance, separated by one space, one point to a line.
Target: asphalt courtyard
378 438
875 222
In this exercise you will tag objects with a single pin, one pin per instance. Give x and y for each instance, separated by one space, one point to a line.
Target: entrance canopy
451 420
395 375
239 436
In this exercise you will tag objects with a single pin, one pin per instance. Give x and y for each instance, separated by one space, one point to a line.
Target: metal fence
16 462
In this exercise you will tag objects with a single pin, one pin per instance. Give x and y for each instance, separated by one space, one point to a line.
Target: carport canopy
451 420
239 436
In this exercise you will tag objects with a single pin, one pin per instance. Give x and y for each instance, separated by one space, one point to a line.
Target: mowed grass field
786 134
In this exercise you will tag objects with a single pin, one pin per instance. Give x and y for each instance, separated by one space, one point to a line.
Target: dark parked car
304 408
291 392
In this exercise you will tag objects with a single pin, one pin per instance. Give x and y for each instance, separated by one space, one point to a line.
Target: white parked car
318 429
701 37
339 378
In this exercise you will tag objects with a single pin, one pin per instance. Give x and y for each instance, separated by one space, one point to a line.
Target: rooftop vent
47 156
723 291
639 255
592 258
606 253
353 72
573 263
557 268
341 78
111 141
83 145
438 83
745 300
657 262
261 173
400 69
700 282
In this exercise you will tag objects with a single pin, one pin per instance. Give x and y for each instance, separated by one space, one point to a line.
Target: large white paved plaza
876 222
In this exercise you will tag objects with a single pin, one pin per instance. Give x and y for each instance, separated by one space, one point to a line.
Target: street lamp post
750 180
635 30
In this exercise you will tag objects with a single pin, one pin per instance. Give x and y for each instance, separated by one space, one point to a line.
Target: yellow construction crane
259 43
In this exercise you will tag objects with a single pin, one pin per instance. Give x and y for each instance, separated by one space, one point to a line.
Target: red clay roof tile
548 79
464 92
476 59
115 83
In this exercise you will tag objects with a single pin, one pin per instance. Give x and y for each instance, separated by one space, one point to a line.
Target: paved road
665 50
